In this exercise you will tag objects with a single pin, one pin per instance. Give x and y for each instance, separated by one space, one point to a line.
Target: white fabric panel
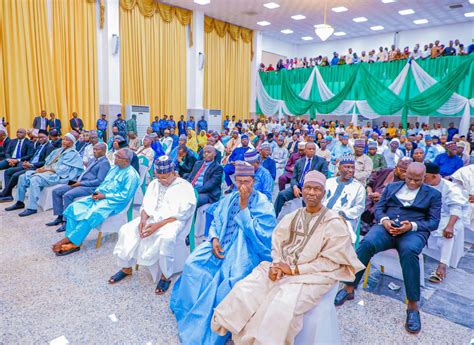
309 85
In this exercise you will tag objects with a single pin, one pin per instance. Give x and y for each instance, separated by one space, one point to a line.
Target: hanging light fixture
324 31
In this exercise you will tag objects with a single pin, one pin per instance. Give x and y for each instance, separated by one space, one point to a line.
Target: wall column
195 58
256 61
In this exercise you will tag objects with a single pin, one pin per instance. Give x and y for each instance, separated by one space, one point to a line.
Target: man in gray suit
41 122
85 185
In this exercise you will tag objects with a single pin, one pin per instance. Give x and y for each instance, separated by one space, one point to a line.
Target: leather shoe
343 296
27 213
16 206
413 323
57 221
6 198
62 228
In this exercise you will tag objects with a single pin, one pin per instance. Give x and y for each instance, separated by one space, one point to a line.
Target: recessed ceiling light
202 2
339 9
471 2
307 38
469 14
388 1
360 19
298 17
406 12
340 33
420 21
286 31
377 27
263 23
271 5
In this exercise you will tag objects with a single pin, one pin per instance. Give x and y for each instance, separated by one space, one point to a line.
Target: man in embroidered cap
266 160
311 251
363 164
263 179
290 166
110 198
378 161
61 165
165 219
239 239
338 151
449 162
236 155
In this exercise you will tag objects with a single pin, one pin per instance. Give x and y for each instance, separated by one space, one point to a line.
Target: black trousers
11 179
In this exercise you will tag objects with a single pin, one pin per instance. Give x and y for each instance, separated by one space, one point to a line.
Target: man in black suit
302 167
406 214
18 150
185 161
206 177
41 122
218 156
4 141
12 174
54 123
76 123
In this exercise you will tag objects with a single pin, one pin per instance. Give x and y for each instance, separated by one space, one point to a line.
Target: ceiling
247 13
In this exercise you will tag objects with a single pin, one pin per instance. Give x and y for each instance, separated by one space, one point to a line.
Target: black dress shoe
413 323
62 228
6 198
16 206
27 213
57 221
343 296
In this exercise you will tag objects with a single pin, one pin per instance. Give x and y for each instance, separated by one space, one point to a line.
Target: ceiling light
377 27
406 12
339 9
340 33
359 19
471 2
298 17
286 31
307 38
318 26
420 21
263 23
202 2
271 5
324 31
469 14
388 1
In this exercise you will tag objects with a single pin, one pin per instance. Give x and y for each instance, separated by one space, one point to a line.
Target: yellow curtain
28 82
153 57
75 60
229 50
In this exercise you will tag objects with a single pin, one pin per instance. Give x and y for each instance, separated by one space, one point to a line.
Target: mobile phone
396 224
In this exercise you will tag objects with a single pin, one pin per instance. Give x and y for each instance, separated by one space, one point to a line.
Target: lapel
394 192
210 169
420 196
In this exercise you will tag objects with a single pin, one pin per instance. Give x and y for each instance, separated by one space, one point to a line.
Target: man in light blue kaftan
110 198
239 239
263 179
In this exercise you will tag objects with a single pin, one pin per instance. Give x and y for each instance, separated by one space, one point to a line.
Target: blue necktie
37 154
305 171
18 150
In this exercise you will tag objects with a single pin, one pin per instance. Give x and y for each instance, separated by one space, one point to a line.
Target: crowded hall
215 172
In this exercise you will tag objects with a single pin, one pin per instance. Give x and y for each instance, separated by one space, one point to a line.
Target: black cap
432 168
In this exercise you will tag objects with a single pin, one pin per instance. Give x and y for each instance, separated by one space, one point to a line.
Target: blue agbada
245 236
269 164
264 182
119 187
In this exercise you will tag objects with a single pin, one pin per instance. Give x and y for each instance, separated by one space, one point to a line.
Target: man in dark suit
43 149
41 122
76 123
54 123
302 167
406 214
218 156
18 150
206 177
85 185
4 141
185 161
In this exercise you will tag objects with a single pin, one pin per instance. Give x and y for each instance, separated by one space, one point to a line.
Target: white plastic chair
45 201
114 223
200 223
320 325
457 253
140 193
290 206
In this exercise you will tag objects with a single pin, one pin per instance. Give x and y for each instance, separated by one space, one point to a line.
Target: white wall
275 46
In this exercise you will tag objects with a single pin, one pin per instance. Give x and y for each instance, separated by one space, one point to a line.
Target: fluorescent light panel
359 19
307 38
420 21
298 17
340 33
339 9
376 28
271 5
263 23
286 31
406 12
469 14
202 2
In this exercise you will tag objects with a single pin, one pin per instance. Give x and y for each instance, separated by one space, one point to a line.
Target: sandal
436 278
65 252
163 286
118 277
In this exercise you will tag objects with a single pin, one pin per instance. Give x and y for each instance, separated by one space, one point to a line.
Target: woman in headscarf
202 139
192 143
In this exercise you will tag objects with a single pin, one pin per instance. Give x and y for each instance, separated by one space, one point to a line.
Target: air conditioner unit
143 117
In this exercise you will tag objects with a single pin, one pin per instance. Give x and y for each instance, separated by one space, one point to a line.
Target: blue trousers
63 196
229 169
408 245
35 185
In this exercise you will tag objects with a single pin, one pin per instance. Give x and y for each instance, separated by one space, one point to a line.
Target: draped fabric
74 44
153 56
228 51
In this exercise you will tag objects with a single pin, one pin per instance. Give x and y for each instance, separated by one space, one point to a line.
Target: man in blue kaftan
236 155
110 198
239 239
263 180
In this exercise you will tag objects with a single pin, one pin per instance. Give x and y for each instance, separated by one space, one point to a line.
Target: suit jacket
3 147
212 179
27 149
425 210
72 123
218 158
317 163
44 153
95 173
186 166
37 123
54 124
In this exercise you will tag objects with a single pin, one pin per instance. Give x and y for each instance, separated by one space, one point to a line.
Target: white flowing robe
175 201
465 177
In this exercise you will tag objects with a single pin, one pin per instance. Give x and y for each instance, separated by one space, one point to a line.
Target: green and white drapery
371 98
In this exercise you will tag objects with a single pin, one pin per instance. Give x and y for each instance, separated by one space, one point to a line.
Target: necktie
203 166
18 150
77 123
37 154
305 171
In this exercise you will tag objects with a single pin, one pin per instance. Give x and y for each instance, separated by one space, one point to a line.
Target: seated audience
133 141
363 163
55 139
236 155
263 180
88 154
290 165
18 150
449 162
185 161
146 151
378 161
267 161
4 140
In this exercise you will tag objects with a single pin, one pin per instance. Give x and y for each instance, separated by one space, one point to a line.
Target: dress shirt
35 158
18 149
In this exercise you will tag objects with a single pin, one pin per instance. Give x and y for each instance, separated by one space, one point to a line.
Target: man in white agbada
311 251
345 195
464 177
453 210
149 240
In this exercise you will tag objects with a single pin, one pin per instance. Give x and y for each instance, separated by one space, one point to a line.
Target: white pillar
195 60
256 61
